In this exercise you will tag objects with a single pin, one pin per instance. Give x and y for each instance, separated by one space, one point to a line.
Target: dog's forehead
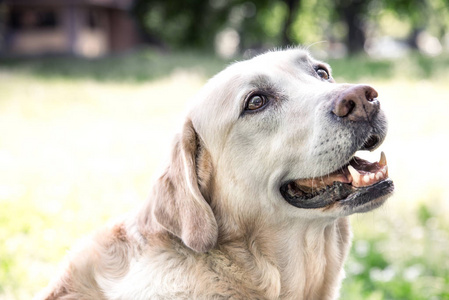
261 69
219 103
286 57
290 61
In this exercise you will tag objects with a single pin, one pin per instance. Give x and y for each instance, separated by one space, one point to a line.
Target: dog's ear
179 203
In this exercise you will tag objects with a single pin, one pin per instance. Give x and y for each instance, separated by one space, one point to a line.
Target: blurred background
91 92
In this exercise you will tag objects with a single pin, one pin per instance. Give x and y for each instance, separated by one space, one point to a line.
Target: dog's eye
255 102
323 73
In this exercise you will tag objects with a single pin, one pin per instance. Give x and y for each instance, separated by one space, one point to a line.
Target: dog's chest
169 275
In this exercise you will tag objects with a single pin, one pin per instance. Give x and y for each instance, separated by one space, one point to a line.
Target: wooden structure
78 27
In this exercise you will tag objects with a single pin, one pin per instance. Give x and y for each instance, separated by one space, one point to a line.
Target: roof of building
118 4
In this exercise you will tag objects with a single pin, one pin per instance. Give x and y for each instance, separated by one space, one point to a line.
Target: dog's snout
357 103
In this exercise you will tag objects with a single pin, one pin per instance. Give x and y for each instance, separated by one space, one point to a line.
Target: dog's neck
311 266
307 268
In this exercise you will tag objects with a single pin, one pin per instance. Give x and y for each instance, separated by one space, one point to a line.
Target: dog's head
275 136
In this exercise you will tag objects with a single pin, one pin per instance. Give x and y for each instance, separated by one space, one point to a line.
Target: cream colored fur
215 225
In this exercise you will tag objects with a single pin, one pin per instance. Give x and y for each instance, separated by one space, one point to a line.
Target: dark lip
372 142
343 195
367 195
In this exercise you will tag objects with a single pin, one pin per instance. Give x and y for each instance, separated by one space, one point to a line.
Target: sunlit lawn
81 141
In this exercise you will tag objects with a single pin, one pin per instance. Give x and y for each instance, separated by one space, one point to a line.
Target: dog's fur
216 225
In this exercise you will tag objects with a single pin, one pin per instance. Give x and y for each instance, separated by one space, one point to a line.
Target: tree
421 15
188 23
292 8
353 14
194 23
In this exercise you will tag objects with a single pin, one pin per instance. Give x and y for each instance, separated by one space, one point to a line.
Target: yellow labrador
255 199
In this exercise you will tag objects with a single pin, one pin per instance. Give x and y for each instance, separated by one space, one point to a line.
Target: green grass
140 66
410 67
146 65
81 140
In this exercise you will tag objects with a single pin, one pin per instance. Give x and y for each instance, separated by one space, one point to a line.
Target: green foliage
402 259
424 214
195 23
262 23
427 14
264 27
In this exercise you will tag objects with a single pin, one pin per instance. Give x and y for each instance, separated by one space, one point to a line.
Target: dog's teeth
383 159
354 173
379 175
366 178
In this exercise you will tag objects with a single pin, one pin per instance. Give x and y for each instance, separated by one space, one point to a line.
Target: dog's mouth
353 186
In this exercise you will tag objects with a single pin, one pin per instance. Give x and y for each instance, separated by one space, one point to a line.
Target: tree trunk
351 13
355 40
292 8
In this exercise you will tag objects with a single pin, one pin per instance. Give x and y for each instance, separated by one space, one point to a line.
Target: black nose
357 103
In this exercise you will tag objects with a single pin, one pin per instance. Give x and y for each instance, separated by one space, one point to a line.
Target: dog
254 201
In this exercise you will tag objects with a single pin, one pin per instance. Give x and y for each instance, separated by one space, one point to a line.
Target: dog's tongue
359 173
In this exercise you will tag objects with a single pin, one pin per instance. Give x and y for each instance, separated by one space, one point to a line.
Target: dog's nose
357 103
